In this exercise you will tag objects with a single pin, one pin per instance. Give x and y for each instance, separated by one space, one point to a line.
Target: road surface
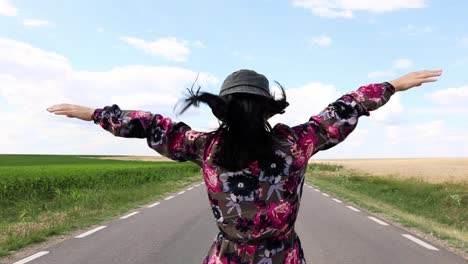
180 229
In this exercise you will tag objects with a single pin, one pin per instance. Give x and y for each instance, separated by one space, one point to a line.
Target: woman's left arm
334 123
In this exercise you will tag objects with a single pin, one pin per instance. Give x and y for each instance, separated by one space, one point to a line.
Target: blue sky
142 54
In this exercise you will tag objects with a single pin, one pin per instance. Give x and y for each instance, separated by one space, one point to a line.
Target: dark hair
246 131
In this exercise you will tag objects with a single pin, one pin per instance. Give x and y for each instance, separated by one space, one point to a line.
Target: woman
253 173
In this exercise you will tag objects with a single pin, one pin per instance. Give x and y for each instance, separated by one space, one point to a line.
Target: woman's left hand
72 111
414 79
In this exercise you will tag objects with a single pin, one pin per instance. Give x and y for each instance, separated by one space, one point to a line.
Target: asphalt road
181 229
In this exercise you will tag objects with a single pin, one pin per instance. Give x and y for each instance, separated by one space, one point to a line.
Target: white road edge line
129 215
354 209
181 192
153 205
324 194
317 190
420 242
336 200
168 198
85 234
189 189
377 220
310 186
32 257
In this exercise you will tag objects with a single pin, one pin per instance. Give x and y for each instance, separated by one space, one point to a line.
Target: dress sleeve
174 140
333 124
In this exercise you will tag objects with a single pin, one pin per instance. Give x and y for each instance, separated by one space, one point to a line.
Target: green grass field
437 209
43 195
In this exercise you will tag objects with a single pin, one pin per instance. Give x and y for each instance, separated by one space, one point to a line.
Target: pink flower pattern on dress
255 208
211 179
280 213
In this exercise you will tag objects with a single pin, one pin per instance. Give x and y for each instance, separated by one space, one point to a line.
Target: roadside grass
440 210
45 195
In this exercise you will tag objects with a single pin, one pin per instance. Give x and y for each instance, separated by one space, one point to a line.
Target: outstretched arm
333 124
121 123
175 140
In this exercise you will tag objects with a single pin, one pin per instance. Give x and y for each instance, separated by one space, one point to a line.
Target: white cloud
463 42
448 102
358 137
397 64
32 79
345 8
392 133
199 44
442 110
418 134
380 135
7 9
244 56
380 74
100 29
436 138
305 101
450 96
390 113
402 64
311 99
170 48
35 23
322 41
415 30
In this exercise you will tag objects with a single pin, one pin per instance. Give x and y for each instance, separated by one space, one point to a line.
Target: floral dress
255 208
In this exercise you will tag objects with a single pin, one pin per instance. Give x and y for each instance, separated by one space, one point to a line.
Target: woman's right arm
175 140
123 123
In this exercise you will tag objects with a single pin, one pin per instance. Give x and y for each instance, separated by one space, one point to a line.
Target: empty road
181 228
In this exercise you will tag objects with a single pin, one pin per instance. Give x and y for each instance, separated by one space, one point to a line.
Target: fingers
62 113
427 80
428 74
59 107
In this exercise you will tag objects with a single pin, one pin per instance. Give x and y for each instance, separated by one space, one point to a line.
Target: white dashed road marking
377 220
410 237
129 215
85 234
354 209
153 205
32 257
420 242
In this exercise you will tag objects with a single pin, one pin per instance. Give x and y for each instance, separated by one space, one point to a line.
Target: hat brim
245 89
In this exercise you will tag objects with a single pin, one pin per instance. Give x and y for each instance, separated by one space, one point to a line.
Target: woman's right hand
414 79
72 111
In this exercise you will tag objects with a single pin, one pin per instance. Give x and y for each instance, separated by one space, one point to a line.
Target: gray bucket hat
245 81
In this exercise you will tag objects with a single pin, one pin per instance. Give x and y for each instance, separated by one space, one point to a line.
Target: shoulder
284 132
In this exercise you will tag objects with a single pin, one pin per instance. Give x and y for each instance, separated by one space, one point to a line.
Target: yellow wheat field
433 170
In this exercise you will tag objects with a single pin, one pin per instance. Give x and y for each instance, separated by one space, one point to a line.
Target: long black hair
243 122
